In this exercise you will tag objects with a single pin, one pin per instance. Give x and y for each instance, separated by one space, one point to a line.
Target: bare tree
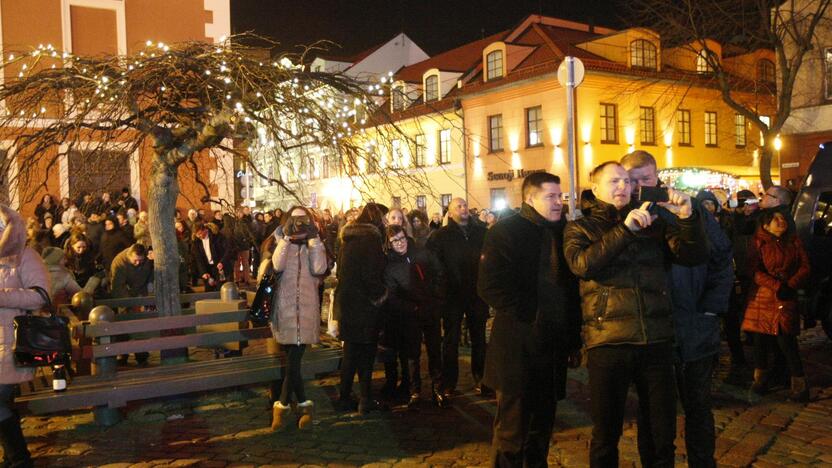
786 27
182 101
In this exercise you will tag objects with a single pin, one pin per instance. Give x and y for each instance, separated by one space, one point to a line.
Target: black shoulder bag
41 340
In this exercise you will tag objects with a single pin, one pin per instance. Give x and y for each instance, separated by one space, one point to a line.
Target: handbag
41 340
260 312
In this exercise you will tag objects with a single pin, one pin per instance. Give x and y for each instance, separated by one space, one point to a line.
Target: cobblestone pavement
230 428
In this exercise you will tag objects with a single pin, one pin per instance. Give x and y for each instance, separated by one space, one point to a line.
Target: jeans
476 315
292 380
357 358
693 380
611 370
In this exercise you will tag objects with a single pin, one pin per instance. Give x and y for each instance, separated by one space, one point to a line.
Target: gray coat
297 307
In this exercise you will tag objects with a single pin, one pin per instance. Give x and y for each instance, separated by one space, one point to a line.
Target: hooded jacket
21 268
360 290
624 275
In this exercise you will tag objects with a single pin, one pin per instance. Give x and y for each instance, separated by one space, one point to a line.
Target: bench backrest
161 324
151 300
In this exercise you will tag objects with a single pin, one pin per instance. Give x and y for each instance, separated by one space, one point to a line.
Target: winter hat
58 230
745 195
52 255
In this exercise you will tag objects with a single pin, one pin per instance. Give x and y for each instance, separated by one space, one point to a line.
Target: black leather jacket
624 276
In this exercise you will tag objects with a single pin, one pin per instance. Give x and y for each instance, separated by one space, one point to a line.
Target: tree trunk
162 194
766 155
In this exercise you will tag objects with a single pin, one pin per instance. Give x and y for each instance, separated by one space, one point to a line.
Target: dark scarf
551 253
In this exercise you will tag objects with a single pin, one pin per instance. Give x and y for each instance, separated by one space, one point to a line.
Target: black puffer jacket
458 248
360 290
624 275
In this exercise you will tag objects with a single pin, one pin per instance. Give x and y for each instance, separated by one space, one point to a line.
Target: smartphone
653 194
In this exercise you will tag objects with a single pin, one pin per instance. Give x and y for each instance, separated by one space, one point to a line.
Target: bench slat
123 317
179 341
162 323
118 392
151 300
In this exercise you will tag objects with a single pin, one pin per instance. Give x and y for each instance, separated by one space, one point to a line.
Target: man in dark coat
359 296
210 256
523 276
622 256
700 295
458 246
127 201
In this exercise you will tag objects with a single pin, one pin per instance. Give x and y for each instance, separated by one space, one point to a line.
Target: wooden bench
108 389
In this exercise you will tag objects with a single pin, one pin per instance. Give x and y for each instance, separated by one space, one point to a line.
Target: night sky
436 25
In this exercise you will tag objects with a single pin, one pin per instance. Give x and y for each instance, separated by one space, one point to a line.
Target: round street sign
563 73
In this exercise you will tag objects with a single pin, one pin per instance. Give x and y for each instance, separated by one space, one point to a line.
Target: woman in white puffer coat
300 260
21 269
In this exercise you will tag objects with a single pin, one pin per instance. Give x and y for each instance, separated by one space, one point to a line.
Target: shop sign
508 176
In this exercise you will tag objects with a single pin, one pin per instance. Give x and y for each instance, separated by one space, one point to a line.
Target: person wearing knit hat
63 284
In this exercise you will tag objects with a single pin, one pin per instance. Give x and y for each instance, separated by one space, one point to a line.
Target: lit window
710 129
444 146
828 73
643 54
739 127
495 133
421 202
765 71
703 65
432 88
534 126
683 126
420 150
647 125
494 65
498 199
609 124
445 201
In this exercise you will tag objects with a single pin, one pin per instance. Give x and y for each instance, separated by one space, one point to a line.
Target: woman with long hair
359 296
779 266
300 260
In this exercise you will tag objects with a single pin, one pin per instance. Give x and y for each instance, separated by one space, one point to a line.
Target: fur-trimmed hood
12 236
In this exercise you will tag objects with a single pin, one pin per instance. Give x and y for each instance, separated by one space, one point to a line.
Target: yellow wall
628 95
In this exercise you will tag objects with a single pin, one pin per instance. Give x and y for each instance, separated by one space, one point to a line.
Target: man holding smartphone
621 253
700 295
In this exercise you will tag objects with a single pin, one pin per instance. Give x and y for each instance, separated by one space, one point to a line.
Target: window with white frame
495 133
609 123
534 126
647 125
740 130
494 65
710 129
432 88
643 54
683 126
421 202
703 65
420 150
444 146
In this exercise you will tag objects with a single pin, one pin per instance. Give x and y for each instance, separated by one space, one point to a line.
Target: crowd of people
639 292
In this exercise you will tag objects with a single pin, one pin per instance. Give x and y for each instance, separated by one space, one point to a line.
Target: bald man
458 246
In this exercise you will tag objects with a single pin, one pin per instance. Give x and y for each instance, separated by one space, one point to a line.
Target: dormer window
703 65
432 88
643 54
765 71
494 65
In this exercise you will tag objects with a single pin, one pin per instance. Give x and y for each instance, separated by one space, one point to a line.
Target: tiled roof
460 59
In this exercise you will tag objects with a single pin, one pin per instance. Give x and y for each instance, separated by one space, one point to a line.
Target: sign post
570 75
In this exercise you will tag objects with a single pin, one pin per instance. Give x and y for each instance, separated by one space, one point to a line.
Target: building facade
95 27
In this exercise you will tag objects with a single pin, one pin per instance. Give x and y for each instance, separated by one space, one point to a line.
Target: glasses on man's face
398 240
